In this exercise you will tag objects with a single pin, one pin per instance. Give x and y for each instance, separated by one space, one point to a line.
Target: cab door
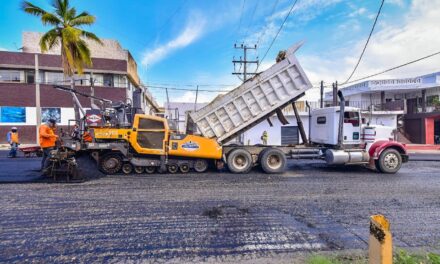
352 127
150 135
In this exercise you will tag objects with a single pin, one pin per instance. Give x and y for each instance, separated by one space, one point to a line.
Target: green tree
66 33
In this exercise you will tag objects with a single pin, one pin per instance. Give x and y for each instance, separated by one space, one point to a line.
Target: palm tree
67 33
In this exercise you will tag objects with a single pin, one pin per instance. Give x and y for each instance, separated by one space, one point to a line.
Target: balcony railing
363 105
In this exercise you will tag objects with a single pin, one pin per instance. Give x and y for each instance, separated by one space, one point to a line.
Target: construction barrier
380 245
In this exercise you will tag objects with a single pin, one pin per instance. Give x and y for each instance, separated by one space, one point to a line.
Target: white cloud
302 13
3 49
193 30
410 38
358 12
396 2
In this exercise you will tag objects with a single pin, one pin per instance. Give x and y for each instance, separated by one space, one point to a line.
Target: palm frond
91 36
49 40
84 52
61 7
71 14
68 61
51 19
82 19
32 9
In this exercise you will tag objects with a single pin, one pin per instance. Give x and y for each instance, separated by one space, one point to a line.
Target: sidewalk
423 148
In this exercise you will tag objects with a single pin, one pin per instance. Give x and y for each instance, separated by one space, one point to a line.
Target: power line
189 85
168 20
264 32
366 44
276 36
183 89
314 87
394 68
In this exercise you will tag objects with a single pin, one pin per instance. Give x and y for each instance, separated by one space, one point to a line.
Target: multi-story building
416 98
27 95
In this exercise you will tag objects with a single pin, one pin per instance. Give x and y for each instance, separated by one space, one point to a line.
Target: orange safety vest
87 137
47 136
14 137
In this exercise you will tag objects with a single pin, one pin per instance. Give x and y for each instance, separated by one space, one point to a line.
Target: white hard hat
14 128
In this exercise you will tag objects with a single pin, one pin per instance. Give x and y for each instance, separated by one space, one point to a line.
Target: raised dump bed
253 101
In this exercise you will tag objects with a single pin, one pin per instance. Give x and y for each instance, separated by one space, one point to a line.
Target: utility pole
195 103
244 62
322 95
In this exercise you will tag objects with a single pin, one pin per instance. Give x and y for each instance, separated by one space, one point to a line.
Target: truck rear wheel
240 161
110 163
389 161
273 161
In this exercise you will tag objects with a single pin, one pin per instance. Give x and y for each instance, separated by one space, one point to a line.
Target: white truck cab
325 126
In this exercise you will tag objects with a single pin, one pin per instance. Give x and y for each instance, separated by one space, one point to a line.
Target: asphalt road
212 217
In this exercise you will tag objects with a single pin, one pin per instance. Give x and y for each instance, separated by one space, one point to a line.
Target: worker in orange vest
13 140
48 140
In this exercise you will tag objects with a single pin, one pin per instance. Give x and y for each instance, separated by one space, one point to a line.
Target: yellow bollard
380 246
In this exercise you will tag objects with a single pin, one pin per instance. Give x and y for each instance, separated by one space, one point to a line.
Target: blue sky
187 42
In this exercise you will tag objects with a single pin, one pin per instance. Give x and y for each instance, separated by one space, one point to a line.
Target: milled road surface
213 217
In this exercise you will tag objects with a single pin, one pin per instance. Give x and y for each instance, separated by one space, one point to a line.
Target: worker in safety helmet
12 138
48 140
264 137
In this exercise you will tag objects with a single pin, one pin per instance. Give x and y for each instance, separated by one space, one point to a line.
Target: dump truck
121 140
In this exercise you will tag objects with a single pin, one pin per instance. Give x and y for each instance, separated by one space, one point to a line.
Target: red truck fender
379 146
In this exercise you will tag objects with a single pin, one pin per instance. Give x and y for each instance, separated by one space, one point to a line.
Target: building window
120 81
82 80
54 78
99 79
432 100
108 80
11 76
30 76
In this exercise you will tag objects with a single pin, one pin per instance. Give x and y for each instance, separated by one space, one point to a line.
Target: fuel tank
333 156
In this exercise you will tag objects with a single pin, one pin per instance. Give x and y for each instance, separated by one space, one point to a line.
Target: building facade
417 98
27 79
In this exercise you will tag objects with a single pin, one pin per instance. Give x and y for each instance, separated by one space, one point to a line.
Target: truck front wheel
389 161
239 161
273 161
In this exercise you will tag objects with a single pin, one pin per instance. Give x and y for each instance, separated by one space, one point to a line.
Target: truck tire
273 161
110 163
240 161
184 168
150 169
389 161
173 168
127 168
200 165
139 169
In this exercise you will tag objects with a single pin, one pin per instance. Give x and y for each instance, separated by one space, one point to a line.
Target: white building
417 98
